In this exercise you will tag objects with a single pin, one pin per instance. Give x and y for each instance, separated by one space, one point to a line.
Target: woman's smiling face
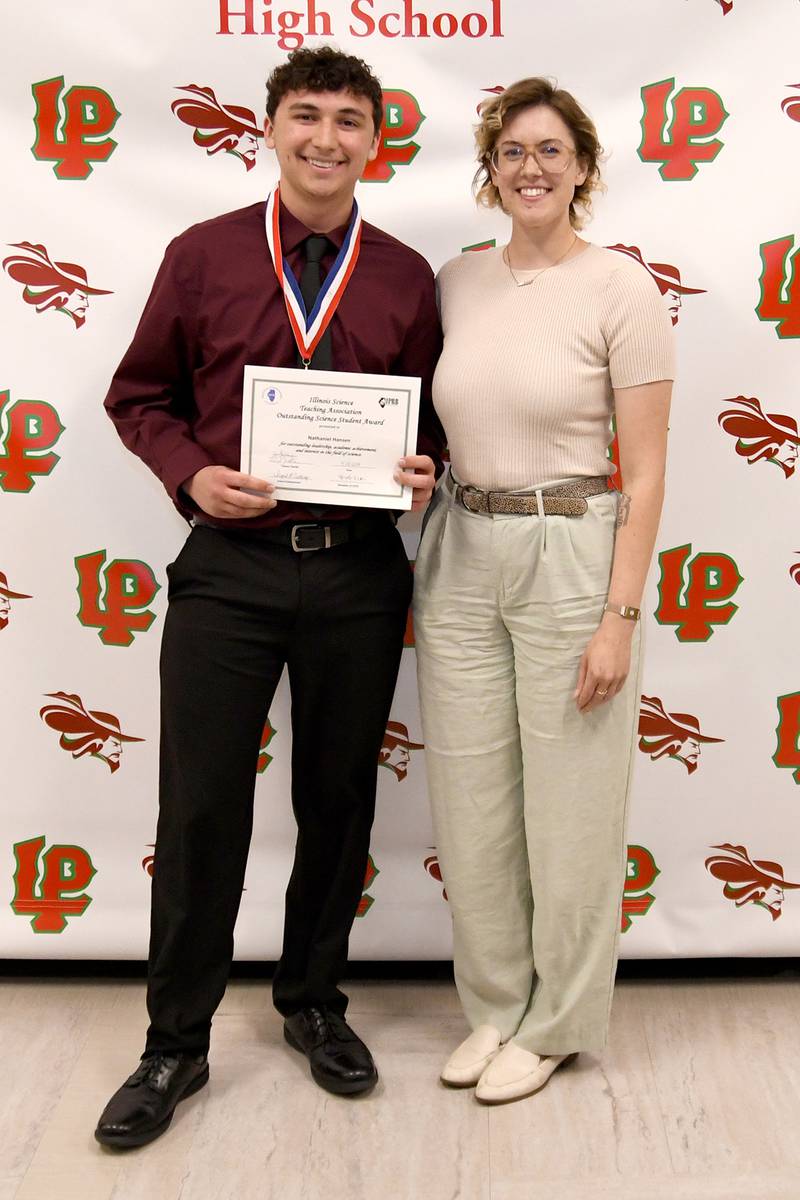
533 197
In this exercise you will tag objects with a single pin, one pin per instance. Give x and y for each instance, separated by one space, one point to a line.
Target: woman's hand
418 472
605 663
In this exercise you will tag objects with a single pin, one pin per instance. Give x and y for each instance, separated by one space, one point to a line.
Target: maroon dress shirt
176 397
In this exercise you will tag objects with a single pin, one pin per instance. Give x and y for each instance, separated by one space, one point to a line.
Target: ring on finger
600 691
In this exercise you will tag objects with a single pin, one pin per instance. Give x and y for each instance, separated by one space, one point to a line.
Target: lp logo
52 890
366 902
72 129
780 292
401 120
117 606
264 757
28 430
697 114
692 595
788 733
641 875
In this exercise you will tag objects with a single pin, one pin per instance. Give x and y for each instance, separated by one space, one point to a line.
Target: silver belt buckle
307 549
469 489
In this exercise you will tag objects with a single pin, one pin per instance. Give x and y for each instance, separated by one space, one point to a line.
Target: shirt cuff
180 468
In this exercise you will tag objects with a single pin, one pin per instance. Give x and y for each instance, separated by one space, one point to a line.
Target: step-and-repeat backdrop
124 124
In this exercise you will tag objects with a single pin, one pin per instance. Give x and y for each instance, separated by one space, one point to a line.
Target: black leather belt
303 536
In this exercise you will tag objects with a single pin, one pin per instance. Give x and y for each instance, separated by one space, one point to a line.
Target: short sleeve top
524 386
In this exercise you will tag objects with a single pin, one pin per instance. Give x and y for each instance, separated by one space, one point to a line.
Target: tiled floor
694 1099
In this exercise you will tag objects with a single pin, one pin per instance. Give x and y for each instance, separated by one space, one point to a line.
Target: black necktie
310 283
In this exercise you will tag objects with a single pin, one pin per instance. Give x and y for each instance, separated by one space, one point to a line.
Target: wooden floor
696 1098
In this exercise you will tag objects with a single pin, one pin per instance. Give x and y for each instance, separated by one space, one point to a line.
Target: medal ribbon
307 327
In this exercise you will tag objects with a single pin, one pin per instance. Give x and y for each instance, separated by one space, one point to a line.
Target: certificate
329 437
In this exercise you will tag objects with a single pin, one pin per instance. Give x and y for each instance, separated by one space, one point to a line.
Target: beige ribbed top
524 384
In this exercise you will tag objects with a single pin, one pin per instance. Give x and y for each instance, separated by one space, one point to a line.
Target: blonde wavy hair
528 93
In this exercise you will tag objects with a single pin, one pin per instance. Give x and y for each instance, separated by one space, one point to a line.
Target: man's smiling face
323 141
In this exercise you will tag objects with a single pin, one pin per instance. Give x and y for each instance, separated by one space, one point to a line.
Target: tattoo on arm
623 509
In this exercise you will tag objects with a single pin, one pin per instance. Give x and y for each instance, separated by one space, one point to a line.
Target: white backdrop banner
122 125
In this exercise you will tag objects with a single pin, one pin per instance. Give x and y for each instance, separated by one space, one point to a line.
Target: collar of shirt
294 233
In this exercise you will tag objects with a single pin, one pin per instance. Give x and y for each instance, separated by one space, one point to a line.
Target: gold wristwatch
623 610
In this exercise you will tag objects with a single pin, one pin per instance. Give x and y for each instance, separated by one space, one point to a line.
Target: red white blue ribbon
308 327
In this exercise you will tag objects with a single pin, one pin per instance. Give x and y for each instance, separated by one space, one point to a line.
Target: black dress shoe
340 1062
142 1108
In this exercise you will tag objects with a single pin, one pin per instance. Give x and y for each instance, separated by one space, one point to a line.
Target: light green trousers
529 796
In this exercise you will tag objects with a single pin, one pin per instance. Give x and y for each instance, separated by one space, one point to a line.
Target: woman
528 585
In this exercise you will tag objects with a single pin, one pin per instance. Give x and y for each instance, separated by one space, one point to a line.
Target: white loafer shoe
515 1073
466 1064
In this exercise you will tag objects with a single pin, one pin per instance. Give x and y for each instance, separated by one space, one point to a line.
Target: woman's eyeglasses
550 156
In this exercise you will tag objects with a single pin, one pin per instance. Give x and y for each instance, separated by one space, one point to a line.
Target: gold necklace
541 271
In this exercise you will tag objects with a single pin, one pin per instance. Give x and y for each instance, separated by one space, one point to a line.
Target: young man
262 584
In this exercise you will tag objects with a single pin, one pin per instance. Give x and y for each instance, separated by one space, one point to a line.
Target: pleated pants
529 796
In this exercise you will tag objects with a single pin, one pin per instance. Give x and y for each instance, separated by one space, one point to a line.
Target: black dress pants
240 608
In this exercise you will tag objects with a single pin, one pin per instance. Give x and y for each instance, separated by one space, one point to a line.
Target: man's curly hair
324 69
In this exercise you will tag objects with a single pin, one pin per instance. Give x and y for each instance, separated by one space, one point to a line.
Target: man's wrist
185 489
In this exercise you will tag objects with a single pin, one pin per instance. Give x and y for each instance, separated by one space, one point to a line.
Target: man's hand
217 490
418 472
